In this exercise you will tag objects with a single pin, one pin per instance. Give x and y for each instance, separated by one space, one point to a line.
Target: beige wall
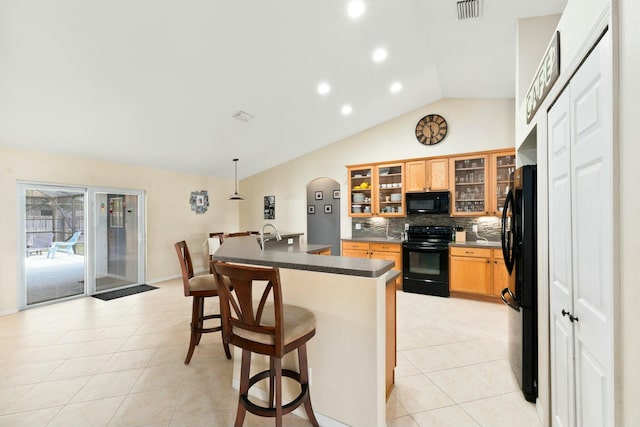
169 215
474 125
629 250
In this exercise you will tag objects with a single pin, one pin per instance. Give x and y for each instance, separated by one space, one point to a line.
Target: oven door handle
422 248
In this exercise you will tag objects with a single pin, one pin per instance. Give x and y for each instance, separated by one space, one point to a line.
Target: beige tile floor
88 362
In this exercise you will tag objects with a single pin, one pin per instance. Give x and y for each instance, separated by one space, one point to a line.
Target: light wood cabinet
477 271
470 270
427 175
375 250
376 190
470 193
502 166
480 182
500 274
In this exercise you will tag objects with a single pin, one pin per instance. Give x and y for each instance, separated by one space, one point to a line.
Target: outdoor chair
65 246
38 242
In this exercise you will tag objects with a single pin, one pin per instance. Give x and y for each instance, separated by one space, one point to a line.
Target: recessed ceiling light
355 9
395 87
346 109
379 55
324 88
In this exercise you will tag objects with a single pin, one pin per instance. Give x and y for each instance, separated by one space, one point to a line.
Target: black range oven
425 260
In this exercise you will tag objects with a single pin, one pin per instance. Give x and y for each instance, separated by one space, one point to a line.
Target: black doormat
107 296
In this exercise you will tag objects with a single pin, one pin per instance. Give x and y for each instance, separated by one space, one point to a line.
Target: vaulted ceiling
156 82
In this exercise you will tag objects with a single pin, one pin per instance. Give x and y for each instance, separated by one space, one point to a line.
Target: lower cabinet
477 271
376 250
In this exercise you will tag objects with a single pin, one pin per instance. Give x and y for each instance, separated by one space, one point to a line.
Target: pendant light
235 195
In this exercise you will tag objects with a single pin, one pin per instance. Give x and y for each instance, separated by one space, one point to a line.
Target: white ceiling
155 82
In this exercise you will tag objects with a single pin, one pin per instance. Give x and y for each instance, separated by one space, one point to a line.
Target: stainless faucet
262 239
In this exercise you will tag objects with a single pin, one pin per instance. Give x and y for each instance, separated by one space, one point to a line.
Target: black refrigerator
519 247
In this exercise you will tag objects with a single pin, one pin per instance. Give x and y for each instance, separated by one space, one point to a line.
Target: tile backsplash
488 226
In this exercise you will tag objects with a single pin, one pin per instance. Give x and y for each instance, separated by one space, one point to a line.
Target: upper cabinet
469 179
481 183
478 182
427 175
502 166
376 190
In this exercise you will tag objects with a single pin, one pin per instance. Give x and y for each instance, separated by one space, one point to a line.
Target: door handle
571 316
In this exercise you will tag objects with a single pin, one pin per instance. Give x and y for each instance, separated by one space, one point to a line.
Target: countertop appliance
519 247
425 260
434 202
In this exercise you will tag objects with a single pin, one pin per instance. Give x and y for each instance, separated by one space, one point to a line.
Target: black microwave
435 202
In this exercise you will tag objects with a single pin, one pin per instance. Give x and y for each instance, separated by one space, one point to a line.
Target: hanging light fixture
235 195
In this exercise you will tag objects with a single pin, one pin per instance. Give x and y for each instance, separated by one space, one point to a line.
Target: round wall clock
431 129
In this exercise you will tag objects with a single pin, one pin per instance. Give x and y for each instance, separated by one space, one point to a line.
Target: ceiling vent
468 9
242 116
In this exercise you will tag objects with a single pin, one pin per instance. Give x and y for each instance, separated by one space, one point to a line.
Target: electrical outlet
358 226
475 228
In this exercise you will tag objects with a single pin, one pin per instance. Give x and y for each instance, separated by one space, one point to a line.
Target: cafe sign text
547 74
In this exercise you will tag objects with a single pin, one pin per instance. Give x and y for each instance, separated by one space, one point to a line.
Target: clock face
431 129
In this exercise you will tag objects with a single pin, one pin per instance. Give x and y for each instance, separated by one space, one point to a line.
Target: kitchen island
348 354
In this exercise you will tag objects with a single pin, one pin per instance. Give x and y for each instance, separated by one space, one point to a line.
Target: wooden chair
273 329
198 287
218 234
207 257
238 234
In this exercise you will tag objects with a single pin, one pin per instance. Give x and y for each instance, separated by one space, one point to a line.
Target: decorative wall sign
328 209
318 195
311 209
199 201
269 207
547 74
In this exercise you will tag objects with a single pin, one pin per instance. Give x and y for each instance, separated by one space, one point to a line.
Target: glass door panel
53 245
117 246
504 165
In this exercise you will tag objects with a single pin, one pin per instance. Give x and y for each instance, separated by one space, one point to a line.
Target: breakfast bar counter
355 315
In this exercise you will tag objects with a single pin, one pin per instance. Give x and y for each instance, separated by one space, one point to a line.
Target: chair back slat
238 308
186 266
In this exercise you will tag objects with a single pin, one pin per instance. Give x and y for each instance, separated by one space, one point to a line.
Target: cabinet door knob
572 318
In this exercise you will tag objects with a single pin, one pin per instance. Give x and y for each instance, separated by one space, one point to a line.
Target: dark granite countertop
374 239
246 250
477 244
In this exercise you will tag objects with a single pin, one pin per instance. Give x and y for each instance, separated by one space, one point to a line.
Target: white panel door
592 219
581 203
560 263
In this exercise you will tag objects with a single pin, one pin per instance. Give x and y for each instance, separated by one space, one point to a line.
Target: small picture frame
311 209
328 209
318 195
336 194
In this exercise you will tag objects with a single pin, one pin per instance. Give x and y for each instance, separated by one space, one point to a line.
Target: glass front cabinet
376 190
503 165
470 195
481 183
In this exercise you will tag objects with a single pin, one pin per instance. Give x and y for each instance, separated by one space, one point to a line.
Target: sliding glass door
53 243
76 241
117 240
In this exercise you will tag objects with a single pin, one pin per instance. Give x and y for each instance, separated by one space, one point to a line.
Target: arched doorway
323 213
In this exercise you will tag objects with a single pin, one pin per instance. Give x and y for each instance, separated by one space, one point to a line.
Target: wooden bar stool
272 329
198 287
